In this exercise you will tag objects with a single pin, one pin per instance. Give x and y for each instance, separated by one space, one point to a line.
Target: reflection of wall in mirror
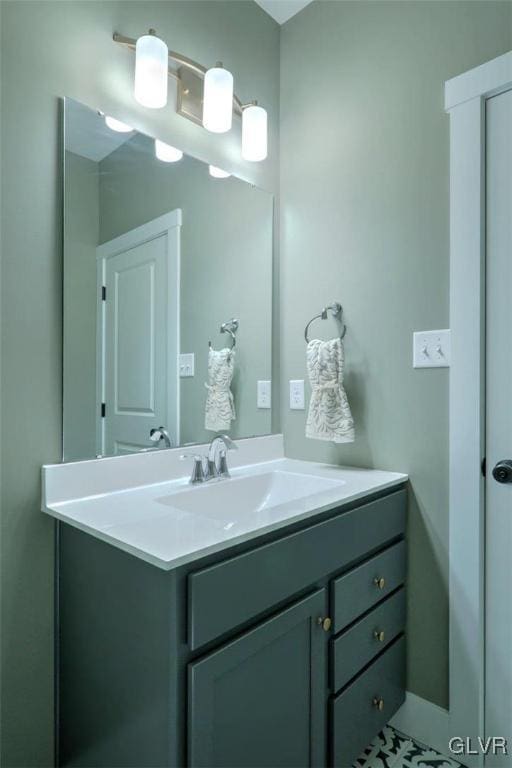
226 271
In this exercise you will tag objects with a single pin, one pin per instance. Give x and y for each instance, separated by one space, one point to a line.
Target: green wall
364 220
50 50
81 233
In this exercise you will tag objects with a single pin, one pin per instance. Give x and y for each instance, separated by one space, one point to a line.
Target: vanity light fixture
166 152
117 125
205 96
218 173
151 68
218 99
254 133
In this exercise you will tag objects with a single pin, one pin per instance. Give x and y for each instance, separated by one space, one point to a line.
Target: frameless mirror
167 295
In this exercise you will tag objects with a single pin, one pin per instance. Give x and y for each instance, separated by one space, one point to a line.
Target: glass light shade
166 153
117 125
218 173
151 71
218 100
254 133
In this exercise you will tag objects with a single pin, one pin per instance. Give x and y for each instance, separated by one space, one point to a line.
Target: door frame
168 224
465 101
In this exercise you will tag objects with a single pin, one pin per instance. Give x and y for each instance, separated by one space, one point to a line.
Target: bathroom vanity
277 641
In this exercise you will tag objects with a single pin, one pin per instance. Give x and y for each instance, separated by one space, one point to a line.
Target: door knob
502 472
378 703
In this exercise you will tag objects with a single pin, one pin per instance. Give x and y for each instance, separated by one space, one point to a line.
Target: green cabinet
223 661
260 700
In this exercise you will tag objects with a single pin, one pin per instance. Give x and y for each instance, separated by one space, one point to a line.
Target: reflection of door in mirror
138 336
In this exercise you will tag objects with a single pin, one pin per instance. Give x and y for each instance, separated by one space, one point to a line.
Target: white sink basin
229 500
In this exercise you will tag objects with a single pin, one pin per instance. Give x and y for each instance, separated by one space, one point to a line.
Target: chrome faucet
206 468
219 468
160 434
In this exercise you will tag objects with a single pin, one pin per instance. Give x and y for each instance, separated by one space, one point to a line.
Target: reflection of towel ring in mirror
231 327
337 312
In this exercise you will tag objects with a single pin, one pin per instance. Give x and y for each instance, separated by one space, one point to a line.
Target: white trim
484 81
465 98
424 722
148 231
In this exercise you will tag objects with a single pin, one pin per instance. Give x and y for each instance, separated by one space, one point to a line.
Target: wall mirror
159 256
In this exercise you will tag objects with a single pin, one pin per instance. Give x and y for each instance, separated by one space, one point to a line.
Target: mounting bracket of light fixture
190 76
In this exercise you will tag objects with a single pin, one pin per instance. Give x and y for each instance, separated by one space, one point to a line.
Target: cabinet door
260 700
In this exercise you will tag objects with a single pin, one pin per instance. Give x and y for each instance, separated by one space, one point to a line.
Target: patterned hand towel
220 406
329 416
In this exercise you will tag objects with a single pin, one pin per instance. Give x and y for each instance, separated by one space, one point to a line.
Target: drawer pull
379 582
325 623
379 635
378 703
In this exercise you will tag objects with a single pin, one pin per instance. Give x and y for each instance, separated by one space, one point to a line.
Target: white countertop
143 521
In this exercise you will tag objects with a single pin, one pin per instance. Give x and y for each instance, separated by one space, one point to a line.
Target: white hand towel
220 405
329 416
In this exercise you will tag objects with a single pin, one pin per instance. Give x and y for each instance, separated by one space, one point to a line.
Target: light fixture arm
182 61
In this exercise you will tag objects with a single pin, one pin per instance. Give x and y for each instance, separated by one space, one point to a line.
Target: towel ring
337 312
231 327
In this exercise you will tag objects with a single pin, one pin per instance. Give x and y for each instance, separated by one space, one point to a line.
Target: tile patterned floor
394 750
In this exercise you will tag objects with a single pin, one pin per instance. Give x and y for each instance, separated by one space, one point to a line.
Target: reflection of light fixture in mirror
218 99
151 71
117 125
218 173
166 153
254 133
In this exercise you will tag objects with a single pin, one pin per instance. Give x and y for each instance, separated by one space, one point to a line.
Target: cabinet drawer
355 714
359 644
357 591
237 590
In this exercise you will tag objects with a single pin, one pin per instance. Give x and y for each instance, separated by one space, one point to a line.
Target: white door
138 385
498 651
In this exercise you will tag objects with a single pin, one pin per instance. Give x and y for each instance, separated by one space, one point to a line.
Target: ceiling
87 135
282 10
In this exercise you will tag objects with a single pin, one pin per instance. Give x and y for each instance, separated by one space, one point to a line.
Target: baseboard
425 722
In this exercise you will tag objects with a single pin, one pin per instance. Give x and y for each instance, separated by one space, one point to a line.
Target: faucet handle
198 474
223 465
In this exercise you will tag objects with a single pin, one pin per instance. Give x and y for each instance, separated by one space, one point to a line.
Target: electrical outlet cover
297 394
264 397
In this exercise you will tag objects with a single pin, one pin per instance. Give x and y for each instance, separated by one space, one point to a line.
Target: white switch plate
431 349
264 394
187 365
297 394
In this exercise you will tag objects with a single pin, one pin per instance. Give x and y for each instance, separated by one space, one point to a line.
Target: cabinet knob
379 635
325 623
378 703
379 582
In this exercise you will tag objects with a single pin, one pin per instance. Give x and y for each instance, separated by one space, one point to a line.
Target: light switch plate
297 394
187 365
431 349
264 394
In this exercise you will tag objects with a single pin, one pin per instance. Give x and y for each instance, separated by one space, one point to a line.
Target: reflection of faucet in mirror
160 434
219 469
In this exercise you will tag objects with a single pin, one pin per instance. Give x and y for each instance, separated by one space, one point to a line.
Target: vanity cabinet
259 700
287 650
